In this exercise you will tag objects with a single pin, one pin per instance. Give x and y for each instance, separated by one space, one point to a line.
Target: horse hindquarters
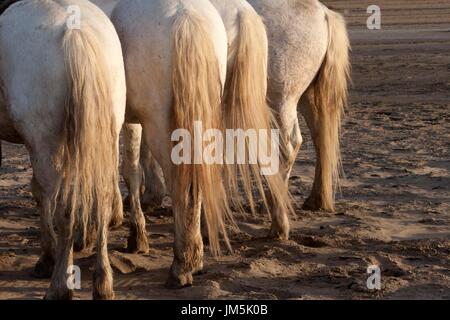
90 157
73 134
323 107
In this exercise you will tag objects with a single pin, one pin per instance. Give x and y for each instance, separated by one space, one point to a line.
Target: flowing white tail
246 108
197 97
89 149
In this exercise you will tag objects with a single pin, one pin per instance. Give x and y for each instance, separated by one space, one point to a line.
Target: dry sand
393 210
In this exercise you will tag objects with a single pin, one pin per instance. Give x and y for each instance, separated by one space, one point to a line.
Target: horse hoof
179 282
314 204
278 234
103 285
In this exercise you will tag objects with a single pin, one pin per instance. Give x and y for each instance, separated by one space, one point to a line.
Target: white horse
245 108
176 60
64 98
308 70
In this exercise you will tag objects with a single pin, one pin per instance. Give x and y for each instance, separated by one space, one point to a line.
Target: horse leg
46 181
321 194
117 206
117 209
45 264
44 186
188 249
155 188
36 190
137 240
292 140
103 275
59 289
323 107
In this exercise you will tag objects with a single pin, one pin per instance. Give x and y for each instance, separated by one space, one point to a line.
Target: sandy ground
394 210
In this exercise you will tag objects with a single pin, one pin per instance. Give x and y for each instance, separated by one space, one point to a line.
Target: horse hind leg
291 140
321 196
56 256
59 287
36 191
117 208
323 107
324 125
137 240
188 249
103 275
155 189
44 266
44 186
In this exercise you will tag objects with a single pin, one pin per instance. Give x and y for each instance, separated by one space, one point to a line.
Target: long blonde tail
89 146
328 96
247 108
197 97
